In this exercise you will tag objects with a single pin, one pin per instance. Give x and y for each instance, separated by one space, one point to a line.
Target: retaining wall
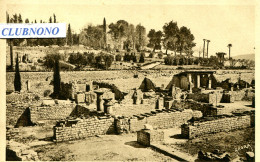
82 128
218 125
158 119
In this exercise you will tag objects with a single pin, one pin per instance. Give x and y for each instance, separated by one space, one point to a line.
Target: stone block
80 98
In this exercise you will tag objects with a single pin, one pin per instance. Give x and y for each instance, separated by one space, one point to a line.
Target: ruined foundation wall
219 125
53 112
83 128
159 120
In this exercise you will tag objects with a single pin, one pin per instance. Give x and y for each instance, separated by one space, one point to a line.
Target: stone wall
26 114
82 128
146 137
16 97
54 112
225 124
160 119
14 111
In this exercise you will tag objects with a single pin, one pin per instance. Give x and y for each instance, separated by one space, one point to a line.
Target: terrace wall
28 114
158 119
218 125
54 112
82 128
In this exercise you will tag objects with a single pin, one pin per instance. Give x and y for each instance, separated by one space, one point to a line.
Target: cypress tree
17 77
56 79
69 36
105 32
141 58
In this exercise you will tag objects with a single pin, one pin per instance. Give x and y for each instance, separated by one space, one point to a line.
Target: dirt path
108 147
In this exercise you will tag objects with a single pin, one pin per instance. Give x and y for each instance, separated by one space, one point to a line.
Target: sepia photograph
130 81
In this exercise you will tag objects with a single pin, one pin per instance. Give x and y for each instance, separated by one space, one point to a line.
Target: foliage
77 59
171 36
49 60
69 36
56 79
17 77
141 60
118 57
155 38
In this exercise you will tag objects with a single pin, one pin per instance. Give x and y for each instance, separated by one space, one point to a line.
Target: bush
46 93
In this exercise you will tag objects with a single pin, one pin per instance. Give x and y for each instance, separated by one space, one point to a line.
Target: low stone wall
14 111
82 128
54 112
158 119
197 129
26 114
205 108
23 97
146 137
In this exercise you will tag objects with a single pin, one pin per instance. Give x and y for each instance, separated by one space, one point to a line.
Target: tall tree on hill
54 18
185 42
69 36
229 47
17 77
171 37
141 36
50 20
56 79
7 18
155 38
118 30
105 32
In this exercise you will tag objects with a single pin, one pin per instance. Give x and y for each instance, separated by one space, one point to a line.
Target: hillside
247 56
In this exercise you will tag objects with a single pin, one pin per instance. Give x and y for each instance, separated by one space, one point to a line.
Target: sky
221 24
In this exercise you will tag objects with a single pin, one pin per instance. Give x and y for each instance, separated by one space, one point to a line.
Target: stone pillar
198 81
210 82
173 91
159 103
100 102
28 85
135 98
107 105
189 78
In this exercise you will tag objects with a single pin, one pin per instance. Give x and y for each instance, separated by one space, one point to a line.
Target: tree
27 21
140 37
141 60
185 43
229 48
171 36
17 77
54 18
130 38
50 20
118 57
92 36
105 32
118 30
69 36
155 38
50 60
108 59
56 79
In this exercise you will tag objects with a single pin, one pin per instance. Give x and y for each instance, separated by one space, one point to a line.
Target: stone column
198 80
28 85
189 78
100 102
107 105
210 81
173 91
159 103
